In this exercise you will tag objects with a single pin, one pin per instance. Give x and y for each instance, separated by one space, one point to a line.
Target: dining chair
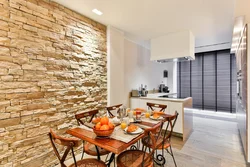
112 109
154 106
88 148
164 140
138 158
69 144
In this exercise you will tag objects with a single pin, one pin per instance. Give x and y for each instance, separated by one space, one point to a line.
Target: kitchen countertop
155 96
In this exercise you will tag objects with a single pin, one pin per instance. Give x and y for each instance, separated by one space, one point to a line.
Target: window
210 80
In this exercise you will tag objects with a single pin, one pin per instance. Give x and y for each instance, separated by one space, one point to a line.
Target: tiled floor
214 142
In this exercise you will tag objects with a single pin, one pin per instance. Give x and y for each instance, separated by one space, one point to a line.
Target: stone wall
52 65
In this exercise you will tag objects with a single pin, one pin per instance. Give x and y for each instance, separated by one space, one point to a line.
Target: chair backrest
158 107
69 143
87 114
111 109
170 120
153 136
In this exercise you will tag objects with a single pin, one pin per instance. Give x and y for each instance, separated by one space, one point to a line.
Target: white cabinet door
134 102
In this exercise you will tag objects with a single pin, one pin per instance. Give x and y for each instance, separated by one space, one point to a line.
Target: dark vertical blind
196 88
210 80
185 79
223 77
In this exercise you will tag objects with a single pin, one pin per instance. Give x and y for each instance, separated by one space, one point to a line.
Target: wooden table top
112 145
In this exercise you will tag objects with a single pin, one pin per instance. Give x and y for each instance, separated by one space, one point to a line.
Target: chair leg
172 154
106 159
83 150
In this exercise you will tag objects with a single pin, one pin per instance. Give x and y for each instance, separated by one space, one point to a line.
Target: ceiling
211 21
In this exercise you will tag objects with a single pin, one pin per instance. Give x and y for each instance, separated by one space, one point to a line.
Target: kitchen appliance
177 46
163 88
144 91
141 92
135 93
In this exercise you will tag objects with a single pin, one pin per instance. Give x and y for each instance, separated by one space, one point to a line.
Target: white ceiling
211 21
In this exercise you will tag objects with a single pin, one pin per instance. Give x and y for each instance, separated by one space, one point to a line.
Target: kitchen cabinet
184 124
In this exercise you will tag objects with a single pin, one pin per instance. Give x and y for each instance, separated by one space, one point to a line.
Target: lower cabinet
171 108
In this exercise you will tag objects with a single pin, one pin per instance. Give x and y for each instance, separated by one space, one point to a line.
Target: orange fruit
98 125
111 126
104 127
96 120
104 120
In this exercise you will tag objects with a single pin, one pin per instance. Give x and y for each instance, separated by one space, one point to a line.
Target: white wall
242 9
115 66
129 66
208 48
140 70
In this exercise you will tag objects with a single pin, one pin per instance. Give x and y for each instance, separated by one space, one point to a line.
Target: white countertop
155 96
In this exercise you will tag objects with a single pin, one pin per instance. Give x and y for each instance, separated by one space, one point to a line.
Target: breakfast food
156 116
104 124
140 109
104 127
111 126
132 128
98 125
104 120
158 112
96 120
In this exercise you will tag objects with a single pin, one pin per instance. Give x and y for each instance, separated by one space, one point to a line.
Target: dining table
118 141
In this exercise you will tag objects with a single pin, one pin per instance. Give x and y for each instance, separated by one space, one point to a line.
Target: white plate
160 118
138 131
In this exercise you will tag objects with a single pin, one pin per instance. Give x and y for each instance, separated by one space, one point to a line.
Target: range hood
178 46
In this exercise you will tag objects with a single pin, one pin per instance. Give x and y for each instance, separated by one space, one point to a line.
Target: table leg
112 157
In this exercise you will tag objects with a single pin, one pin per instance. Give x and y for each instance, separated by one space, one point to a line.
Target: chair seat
89 162
90 149
160 140
134 158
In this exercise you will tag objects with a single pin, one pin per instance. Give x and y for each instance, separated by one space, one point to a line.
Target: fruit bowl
103 133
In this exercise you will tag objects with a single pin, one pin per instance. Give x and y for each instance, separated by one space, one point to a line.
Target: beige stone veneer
52 65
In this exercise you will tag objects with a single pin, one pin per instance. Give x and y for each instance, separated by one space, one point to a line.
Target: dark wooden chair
88 148
138 158
164 140
70 143
112 109
156 107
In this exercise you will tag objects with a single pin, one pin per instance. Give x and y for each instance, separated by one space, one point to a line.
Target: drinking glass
138 115
122 113
147 114
130 114
123 125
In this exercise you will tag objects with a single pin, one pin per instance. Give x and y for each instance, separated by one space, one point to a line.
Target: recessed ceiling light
96 11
